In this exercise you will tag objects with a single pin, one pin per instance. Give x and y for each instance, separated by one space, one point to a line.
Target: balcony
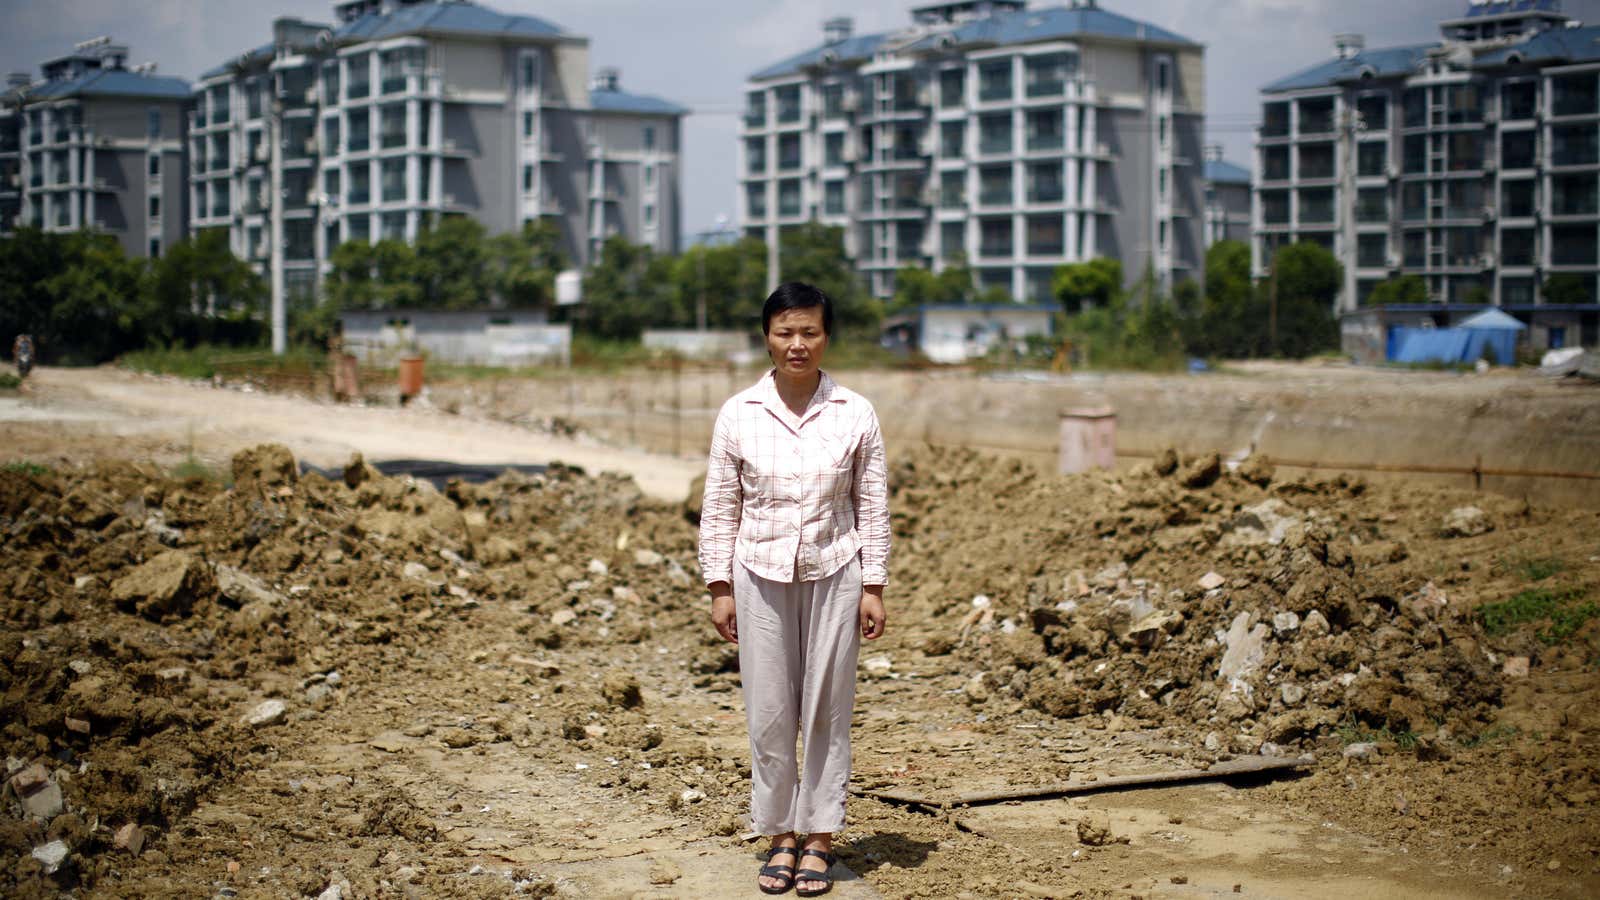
1046 193
392 139
994 145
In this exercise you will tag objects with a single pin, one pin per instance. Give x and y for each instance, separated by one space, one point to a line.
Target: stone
1363 750
358 471
1292 694
38 792
1246 648
562 617
1201 472
129 837
1465 521
1095 830
240 588
1515 667
389 741
1257 469
879 666
1315 625
317 693
262 467
1286 623
265 713
692 795
1151 630
51 855
416 570
664 872
621 689
78 726
598 567
1266 522
168 584
333 892
1210 581
647 558
1165 463
498 550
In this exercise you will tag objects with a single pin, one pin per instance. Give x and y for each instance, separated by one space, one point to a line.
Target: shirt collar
769 398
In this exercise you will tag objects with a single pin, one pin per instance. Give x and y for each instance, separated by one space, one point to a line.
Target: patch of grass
1352 731
208 360
1540 568
9 382
1559 607
194 468
23 467
1490 736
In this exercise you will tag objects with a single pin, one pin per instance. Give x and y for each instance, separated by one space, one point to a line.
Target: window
155 248
788 102
994 186
1372 251
905 91
360 184
527 179
152 124
218 97
649 137
1517 199
1414 154
789 197
1573 145
360 122
953 240
1046 236
1518 150
1373 113
154 166
1572 245
330 183
755 155
1275 163
755 198
393 226
1574 95
527 124
952 139
330 137
1416 107
1046 75
1573 195
358 228
755 108
1274 120
994 133
1519 100
1163 76
360 77
1372 205
994 236
833 101
1517 247
789 151
219 199
155 207
1414 202
1415 249
392 126
1045 129
1466 151
1316 161
1316 115
952 88
952 190
649 176
530 71
833 198
833 148
392 71
649 216
1372 158
1045 183
1463 106
330 82
1275 207
994 80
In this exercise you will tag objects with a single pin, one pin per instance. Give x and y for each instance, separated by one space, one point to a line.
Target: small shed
480 337
955 333
1490 334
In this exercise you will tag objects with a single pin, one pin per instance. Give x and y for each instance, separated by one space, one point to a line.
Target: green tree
729 277
523 265
1566 287
201 275
814 253
451 264
1232 317
1404 289
1095 283
1309 279
915 286
626 289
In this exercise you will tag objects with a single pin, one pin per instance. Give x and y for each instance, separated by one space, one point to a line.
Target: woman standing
794 547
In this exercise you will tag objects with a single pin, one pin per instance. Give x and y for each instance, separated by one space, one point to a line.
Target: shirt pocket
834 485
840 452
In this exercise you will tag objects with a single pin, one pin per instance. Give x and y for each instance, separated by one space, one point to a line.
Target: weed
192 468
1536 568
23 467
9 382
1492 735
1352 731
1535 605
207 361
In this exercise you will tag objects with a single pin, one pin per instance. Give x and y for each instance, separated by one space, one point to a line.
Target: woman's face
796 341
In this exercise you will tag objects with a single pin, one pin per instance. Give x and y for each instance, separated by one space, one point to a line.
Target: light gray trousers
798 644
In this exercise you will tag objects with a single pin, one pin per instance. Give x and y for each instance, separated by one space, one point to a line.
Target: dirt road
512 688
85 413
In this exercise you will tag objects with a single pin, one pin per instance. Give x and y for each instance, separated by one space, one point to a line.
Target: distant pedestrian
794 547
22 354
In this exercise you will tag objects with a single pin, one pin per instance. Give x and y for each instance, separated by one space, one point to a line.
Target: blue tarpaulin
1490 334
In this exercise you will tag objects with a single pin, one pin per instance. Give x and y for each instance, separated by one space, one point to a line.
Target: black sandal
774 871
812 875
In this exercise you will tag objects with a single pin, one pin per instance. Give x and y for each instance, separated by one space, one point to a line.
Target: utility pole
280 329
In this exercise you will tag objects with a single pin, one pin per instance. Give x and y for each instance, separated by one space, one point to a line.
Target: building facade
1472 162
1227 204
93 145
404 110
1015 139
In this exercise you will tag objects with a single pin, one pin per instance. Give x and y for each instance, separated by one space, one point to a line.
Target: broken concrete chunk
647 558
129 837
267 712
1287 622
1210 581
1315 624
38 792
241 588
51 856
169 584
1515 667
1246 647
1466 521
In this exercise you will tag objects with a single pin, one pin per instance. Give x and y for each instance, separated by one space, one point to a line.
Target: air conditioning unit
1393 261
925 96
1490 164
311 146
1392 172
260 153
1486 261
1488 212
1491 113
311 96
930 196
850 102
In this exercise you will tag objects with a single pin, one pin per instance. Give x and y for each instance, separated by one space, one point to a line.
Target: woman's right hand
722 611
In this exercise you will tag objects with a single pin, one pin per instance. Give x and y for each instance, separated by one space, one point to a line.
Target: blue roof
1381 63
621 101
1553 46
1512 6
1220 171
456 17
112 83
264 51
861 47
1028 25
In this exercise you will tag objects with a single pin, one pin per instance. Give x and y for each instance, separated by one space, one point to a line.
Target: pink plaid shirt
796 497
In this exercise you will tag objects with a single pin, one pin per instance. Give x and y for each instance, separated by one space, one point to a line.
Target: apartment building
1016 138
1227 203
95 145
403 110
1472 162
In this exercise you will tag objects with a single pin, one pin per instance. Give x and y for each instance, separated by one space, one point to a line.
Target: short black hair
797 295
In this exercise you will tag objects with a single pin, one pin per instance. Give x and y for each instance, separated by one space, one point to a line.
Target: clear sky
698 52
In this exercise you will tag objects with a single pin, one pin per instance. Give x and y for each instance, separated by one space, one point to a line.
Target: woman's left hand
872 615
